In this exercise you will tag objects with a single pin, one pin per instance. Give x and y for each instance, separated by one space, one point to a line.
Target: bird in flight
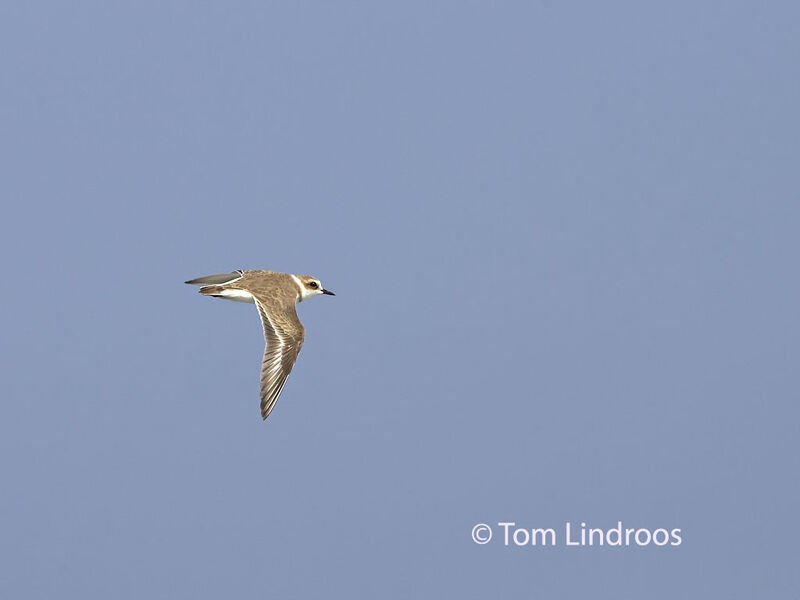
275 296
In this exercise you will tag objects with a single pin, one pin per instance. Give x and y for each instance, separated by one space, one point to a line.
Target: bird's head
310 286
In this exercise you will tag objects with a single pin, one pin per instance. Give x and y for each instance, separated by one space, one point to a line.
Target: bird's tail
211 290
223 291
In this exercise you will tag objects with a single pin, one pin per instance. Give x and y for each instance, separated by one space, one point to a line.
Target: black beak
328 292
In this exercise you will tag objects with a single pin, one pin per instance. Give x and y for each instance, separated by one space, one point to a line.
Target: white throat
303 292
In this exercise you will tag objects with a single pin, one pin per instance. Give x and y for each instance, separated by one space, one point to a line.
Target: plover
275 296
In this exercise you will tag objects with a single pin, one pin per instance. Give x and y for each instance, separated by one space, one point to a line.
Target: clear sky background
564 239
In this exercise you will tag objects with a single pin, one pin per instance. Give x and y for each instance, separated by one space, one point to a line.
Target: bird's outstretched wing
284 334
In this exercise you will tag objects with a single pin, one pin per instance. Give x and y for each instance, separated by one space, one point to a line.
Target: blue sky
563 239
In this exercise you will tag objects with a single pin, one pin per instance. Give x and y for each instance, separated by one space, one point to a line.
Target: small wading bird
275 296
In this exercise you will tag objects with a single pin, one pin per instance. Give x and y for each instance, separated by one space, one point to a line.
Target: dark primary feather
215 279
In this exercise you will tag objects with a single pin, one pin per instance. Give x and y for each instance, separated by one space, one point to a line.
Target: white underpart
237 295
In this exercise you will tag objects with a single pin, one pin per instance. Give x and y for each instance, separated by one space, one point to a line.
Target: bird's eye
313 285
